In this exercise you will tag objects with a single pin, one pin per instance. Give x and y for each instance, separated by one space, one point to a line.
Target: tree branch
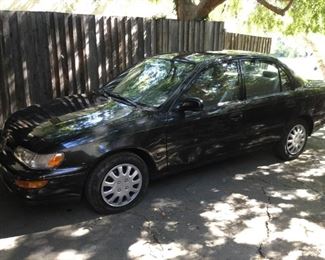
275 9
188 10
206 6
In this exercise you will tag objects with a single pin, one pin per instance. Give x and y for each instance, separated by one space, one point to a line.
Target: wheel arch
310 123
143 154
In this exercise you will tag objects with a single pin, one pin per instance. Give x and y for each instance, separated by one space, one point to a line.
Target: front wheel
293 140
117 183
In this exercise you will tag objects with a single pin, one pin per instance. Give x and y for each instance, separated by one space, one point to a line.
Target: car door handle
236 116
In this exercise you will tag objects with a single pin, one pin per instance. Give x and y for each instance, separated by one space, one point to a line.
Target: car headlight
38 161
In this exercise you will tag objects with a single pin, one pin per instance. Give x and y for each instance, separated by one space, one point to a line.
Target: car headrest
269 74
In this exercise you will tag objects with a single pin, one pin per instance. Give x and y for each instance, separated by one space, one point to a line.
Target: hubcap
121 185
296 139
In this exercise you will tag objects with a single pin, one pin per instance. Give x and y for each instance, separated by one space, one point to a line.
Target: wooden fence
236 41
46 55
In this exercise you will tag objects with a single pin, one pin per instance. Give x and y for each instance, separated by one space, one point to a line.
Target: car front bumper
62 183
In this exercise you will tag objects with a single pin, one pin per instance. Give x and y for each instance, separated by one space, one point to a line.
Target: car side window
285 80
216 84
261 78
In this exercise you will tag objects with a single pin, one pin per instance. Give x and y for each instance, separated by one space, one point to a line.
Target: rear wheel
117 183
293 140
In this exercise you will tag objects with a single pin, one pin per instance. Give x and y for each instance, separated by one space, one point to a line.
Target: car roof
211 56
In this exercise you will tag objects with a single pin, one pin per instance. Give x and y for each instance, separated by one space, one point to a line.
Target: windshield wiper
126 100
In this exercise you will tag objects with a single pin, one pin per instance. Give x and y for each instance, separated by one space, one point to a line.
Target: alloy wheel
121 185
296 139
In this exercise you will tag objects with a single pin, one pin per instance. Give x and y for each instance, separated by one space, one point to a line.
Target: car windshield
151 82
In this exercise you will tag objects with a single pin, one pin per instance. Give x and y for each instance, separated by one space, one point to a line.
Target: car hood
64 118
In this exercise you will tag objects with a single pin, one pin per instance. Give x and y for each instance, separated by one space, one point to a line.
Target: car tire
293 140
123 176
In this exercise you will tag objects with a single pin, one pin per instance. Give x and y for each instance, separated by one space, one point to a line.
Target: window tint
285 81
216 84
261 78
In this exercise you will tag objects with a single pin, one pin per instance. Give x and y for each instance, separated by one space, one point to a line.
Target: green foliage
265 19
304 16
233 6
308 16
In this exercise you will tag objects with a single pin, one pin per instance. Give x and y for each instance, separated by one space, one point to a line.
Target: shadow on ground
250 207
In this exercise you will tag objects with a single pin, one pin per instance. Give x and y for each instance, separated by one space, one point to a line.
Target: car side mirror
190 104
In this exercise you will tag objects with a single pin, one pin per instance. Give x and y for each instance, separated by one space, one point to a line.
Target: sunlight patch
221 212
255 231
72 254
8 243
286 206
235 206
145 250
239 177
80 232
313 173
295 254
292 195
302 230
304 214
166 203
171 226
305 194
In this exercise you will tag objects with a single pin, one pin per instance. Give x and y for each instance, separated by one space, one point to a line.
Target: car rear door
263 113
201 136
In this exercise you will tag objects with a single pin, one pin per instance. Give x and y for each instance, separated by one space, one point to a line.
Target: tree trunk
187 10
275 9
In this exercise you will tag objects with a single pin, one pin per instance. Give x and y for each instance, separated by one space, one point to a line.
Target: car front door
200 136
264 107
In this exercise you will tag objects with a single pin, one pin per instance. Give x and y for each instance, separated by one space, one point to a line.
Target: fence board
48 55
100 41
191 39
92 58
140 53
147 38
121 43
109 49
44 57
128 41
186 36
154 37
4 89
8 68
165 36
82 70
74 52
173 36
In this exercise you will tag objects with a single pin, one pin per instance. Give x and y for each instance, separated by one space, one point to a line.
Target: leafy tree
304 16
287 16
190 10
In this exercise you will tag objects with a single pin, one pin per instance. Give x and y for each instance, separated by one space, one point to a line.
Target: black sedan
166 114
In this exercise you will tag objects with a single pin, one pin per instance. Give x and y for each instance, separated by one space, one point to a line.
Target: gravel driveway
249 207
